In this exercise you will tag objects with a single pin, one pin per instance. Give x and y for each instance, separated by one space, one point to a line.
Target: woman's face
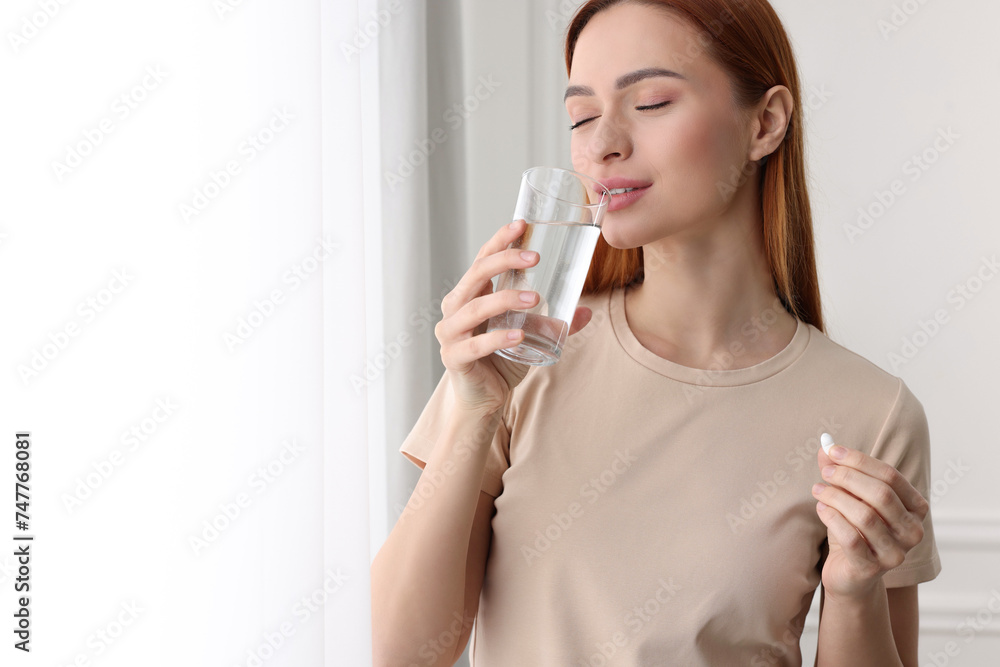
681 136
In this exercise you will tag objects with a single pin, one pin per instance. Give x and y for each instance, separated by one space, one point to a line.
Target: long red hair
746 38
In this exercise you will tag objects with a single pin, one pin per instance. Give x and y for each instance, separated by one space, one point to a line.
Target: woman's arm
904 613
881 630
420 578
874 516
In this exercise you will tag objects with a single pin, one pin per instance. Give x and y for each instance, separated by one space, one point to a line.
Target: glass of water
563 211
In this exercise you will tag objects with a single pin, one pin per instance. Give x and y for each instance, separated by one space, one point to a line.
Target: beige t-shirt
649 513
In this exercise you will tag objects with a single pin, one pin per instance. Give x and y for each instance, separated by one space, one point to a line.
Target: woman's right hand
481 380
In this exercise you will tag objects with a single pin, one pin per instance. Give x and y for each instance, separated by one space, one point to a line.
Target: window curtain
192 251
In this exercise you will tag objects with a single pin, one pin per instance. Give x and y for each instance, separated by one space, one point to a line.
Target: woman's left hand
873 517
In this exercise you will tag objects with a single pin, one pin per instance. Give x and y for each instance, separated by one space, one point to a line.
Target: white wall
888 97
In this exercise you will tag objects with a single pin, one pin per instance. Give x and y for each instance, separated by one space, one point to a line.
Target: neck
710 292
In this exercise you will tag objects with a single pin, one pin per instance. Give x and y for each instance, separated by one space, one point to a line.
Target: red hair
746 38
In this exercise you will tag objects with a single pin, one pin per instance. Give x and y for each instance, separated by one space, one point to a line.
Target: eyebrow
624 81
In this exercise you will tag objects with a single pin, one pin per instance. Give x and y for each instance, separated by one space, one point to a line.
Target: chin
612 236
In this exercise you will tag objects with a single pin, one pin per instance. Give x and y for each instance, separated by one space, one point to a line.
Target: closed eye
654 106
645 108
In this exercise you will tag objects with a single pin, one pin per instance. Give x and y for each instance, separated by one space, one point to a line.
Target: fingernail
514 224
513 335
818 489
828 471
838 452
527 256
527 297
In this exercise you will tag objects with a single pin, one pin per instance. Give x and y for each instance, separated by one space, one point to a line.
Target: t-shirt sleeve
418 445
904 443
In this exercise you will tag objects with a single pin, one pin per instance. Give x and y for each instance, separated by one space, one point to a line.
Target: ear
770 122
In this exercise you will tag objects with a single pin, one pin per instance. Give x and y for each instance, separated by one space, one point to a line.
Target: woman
659 496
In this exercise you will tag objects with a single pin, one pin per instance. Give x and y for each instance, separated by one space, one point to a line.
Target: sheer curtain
469 100
190 261
473 106
353 412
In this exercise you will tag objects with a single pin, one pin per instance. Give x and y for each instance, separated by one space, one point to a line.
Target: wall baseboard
967 530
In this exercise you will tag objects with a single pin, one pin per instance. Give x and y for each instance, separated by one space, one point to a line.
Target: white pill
827 441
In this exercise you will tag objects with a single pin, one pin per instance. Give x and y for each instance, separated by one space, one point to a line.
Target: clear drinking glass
563 211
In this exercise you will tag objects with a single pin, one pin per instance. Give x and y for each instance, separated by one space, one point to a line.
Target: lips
618 183
625 199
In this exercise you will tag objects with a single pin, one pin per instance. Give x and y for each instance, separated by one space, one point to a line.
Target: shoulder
868 387
838 364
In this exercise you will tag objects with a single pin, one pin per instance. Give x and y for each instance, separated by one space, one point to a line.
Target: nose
609 141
